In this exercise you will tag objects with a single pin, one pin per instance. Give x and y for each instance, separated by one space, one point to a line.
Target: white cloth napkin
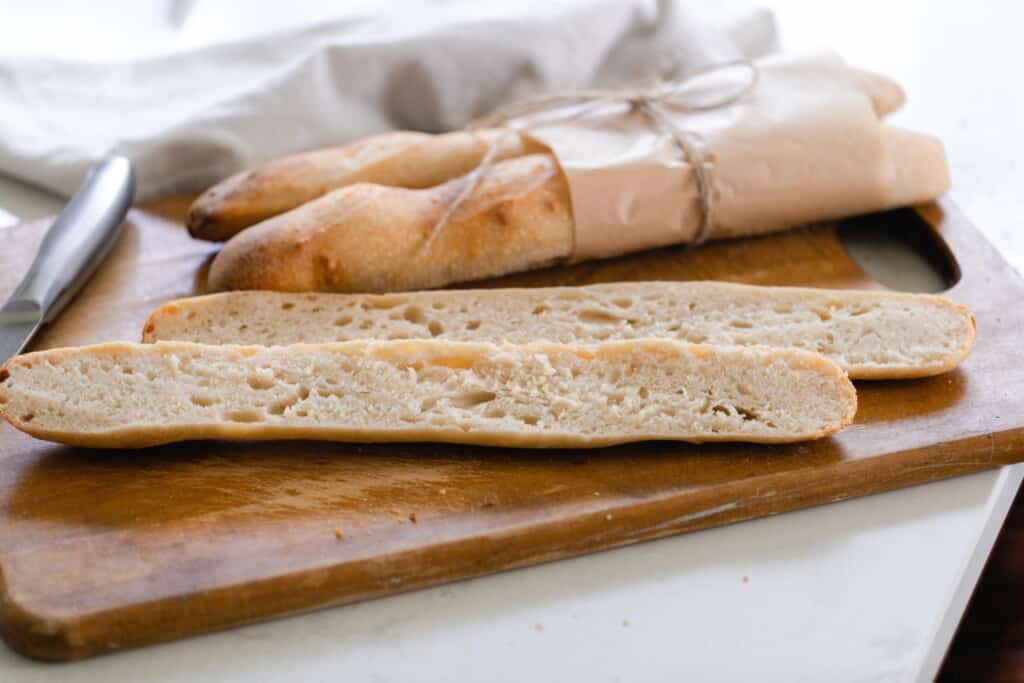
194 91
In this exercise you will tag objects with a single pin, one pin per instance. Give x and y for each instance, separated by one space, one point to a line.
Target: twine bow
658 102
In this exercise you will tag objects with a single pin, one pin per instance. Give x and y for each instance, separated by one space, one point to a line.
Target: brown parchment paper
806 144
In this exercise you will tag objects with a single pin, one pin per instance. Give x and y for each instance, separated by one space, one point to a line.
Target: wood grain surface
101 550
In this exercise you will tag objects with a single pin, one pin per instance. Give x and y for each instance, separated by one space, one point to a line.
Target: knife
77 242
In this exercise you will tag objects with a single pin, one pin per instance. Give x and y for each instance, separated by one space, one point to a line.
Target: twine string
657 103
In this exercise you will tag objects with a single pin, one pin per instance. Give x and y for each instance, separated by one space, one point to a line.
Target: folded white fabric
195 109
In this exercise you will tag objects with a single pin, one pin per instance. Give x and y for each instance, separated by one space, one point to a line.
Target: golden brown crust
400 159
371 238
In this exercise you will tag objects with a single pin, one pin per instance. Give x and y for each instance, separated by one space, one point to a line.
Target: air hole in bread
382 303
540 310
472 399
127 371
748 415
740 324
202 401
191 315
414 314
437 305
302 413
496 413
303 393
428 405
28 417
278 407
343 321
531 420
594 316
259 382
249 415
435 328
823 316
473 325
643 392
720 410
623 302
287 306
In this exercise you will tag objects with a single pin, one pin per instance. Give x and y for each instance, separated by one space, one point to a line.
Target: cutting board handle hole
901 250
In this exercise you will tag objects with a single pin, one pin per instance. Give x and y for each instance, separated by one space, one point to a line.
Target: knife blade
77 242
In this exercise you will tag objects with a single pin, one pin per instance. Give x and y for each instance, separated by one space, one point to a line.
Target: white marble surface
865 590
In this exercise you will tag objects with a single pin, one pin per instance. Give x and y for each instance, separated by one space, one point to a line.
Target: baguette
369 237
396 159
871 335
538 395
399 159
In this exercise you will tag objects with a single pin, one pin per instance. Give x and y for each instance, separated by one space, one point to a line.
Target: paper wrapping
805 144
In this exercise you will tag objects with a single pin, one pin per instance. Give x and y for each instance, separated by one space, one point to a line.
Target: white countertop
865 590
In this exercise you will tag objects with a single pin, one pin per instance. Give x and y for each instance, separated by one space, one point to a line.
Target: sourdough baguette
871 335
369 237
396 159
537 395
399 159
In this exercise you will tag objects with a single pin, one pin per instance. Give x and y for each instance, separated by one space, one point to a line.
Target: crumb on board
412 517
444 491
539 627
746 579
625 622
338 533
608 517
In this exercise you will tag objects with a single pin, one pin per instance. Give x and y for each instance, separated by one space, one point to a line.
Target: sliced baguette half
871 335
537 395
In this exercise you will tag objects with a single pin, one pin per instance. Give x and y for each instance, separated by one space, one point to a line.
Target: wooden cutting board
102 550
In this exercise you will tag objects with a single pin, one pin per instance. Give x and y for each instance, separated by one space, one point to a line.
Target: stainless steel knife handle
79 239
